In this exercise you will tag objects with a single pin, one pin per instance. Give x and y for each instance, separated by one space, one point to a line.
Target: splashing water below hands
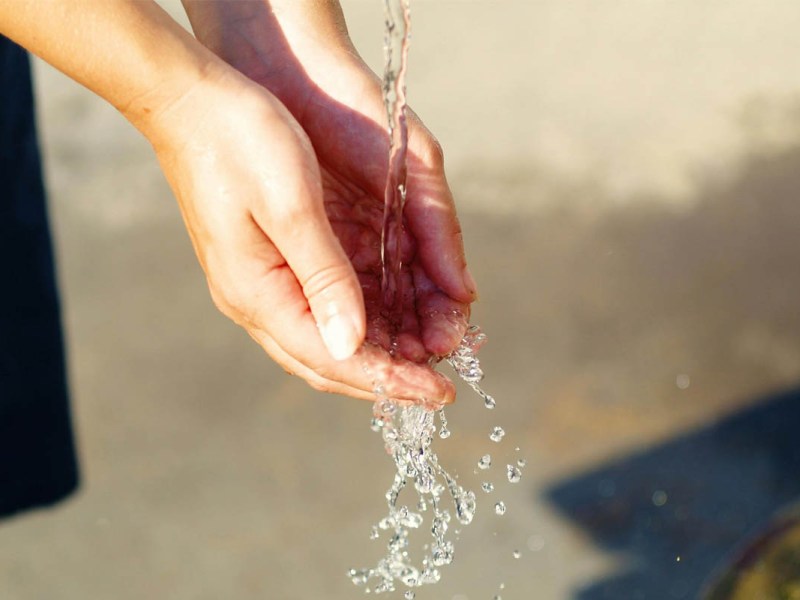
408 431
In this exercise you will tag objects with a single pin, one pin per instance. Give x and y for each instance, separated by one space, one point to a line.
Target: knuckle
292 212
231 301
320 384
433 153
222 299
320 282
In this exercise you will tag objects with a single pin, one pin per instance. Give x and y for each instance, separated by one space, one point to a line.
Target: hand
250 191
306 59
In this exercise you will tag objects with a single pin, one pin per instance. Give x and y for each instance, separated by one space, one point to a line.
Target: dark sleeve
37 452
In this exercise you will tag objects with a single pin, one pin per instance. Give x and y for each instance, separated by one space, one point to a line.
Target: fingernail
340 337
469 282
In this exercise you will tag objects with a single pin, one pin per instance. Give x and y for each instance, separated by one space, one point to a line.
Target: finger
443 320
370 369
431 217
295 367
293 217
254 286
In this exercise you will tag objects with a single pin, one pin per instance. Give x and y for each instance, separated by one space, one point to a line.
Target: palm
352 150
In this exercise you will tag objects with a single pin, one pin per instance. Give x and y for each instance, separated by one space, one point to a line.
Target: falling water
408 430
398 23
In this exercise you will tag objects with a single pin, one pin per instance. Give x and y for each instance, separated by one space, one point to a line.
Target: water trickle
397 24
485 462
497 434
408 430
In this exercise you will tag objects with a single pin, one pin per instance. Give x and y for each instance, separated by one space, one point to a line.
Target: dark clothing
37 454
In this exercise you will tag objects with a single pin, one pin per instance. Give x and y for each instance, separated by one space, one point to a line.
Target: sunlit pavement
628 183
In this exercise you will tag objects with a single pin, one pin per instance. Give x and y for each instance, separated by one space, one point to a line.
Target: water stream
408 430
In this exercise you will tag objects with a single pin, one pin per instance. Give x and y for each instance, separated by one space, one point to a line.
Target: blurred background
628 177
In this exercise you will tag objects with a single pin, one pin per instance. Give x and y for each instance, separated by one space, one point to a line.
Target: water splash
408 431
498 433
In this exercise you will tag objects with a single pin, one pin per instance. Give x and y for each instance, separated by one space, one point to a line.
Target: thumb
303 235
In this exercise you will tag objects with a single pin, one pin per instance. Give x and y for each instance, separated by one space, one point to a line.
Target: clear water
408 430
396 38
421 490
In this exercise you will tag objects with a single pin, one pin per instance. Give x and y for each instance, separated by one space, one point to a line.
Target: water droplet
358 576
497 597
516 554
374 534
497 434
500 508
521 463
386 408
485 462
489 402
659 498
465 507
487 487
444 432
513 473
409 595
442 554
535 543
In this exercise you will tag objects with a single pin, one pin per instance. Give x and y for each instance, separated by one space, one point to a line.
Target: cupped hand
337 100
251 193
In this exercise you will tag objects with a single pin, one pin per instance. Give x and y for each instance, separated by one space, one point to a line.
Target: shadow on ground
718 284
677 510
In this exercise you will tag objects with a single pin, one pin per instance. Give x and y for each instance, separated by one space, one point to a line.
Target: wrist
278 43
188 108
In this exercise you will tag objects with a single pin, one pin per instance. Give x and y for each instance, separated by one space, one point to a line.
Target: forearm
320 19
279 43
130 52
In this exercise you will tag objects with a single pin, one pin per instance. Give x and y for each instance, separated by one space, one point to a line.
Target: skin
269 133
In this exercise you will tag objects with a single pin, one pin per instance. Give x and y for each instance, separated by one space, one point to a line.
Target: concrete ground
628 175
